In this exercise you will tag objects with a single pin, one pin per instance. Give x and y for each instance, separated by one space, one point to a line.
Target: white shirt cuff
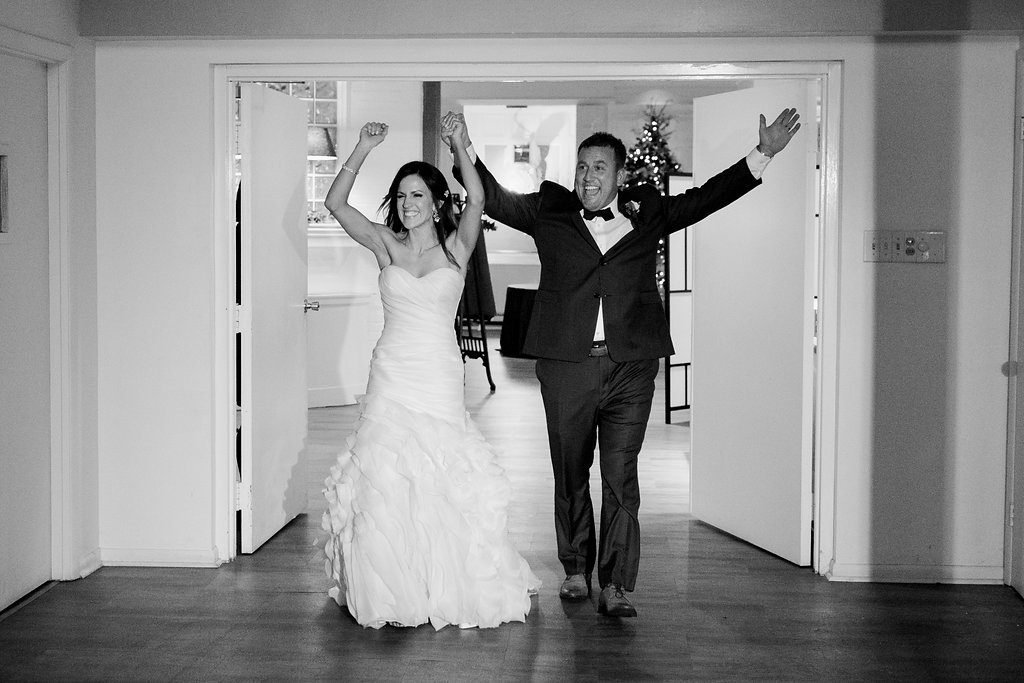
757 162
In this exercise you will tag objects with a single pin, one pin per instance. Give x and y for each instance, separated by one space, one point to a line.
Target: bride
417 503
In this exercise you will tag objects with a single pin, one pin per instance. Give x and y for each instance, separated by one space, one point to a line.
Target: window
321 99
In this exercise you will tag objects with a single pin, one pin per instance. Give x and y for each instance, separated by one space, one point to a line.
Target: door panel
752 414
1014 541
272 143
25 530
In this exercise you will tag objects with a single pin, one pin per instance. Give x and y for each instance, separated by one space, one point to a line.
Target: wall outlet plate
905 246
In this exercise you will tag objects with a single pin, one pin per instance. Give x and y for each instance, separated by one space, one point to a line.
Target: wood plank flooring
711 607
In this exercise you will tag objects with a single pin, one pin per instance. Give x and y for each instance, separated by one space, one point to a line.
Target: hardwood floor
710 607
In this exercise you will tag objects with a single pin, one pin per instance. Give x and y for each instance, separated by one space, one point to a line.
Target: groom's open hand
774 138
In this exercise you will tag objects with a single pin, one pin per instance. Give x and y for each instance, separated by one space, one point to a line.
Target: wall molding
63 483
89 563
158 557
1013 534
916 573
28 46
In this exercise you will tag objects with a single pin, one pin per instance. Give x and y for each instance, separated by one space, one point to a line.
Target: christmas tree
650 160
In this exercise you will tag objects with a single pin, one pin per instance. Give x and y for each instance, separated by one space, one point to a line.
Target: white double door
272 324
754 291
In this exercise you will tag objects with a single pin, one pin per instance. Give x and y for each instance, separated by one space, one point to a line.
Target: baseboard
343 395
903 573
158 557
90 563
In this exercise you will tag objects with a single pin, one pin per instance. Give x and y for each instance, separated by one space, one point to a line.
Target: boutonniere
630 209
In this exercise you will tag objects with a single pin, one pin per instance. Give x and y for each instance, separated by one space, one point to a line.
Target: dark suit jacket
575 276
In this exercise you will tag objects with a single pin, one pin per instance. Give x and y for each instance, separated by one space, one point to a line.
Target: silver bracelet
350 170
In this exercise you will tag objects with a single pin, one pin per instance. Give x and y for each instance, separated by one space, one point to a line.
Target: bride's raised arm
359 227
453 131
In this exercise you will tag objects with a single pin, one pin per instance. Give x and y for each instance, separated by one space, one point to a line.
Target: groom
598 330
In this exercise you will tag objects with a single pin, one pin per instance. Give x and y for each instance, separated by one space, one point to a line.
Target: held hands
453 127
774 138
372 134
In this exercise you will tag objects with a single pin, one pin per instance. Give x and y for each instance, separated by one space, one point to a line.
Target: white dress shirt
606 234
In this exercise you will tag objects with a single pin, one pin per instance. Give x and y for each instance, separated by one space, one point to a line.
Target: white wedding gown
416 503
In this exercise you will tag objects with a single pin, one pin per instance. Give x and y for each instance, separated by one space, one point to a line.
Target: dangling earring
437 216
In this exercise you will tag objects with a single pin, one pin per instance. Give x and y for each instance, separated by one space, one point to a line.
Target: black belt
598 348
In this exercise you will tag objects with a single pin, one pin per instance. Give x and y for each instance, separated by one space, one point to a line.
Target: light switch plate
905 246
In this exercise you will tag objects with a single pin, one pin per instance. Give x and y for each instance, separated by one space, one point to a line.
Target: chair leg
486 354
487 367
472 346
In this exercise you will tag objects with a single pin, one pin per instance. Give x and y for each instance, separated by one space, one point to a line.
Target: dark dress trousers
606 400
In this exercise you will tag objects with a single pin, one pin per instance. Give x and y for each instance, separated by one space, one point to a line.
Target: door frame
829 74
1013 529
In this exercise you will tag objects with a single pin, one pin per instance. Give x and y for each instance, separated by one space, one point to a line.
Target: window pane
323 183
303 89
326 89
309 111
326 112
324 167
279 87
316 213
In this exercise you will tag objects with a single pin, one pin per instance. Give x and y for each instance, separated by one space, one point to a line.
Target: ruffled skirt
417 522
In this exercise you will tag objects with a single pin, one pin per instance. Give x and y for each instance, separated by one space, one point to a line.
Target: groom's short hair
603 139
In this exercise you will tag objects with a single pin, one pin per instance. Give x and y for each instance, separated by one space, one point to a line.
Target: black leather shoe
575 587
613 603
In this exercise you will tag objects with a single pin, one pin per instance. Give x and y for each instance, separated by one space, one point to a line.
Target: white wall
921 462
156 317
921 402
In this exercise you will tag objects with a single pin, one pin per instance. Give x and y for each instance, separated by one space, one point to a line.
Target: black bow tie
605 213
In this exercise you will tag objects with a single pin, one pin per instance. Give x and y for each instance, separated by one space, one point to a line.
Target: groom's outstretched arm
729 185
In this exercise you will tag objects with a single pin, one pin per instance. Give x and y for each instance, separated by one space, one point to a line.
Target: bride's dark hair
442 201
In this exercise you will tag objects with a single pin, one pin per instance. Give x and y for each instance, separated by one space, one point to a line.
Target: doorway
827 75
